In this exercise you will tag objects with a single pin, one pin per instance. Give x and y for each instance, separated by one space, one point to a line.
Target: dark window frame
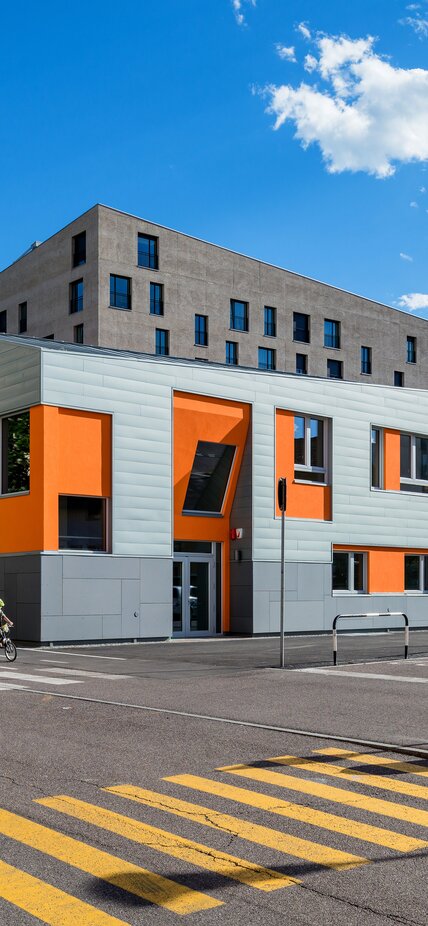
3 321
78 334
156 299
332 334
148 259
78 253
301 327
366 360
164 351
232 349
304 371
218 479
234 318
270 358
201 330
411 349
114 294
398 379
23 317
76 303
338 364
105 532
269 318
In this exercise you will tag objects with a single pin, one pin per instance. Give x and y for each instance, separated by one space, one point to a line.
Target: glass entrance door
193 595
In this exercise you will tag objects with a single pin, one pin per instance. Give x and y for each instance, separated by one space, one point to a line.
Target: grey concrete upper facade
201 278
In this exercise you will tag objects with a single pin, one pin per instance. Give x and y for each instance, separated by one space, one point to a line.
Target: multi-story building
138 496
111 279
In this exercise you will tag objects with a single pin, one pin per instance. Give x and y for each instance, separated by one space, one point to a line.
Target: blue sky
168 110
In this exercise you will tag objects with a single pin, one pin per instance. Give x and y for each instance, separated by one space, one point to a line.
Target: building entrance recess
194 593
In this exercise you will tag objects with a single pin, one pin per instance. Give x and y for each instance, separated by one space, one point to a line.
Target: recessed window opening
270 321
267 358
349 571
302 364
162 342
232 353
78 334
238 315
82 523
334 369
148 252
331 333
15 446
156 299
209 477
376 458
366 360
310 449
76 296
3 322
78 249
411 350
201 330
301 330
413 463
416 573
120 292
22 317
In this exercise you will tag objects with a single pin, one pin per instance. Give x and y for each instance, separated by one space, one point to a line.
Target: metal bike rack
350 617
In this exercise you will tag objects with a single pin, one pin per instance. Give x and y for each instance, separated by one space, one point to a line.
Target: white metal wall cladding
138 393
19 376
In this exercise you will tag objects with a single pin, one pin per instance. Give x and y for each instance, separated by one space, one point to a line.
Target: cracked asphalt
56 745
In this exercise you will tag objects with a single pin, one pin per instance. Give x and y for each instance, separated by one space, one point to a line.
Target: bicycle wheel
10 651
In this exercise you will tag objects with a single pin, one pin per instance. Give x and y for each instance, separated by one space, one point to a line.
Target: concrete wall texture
202 278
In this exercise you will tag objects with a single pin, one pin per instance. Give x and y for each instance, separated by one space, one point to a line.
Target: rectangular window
78 249
76 296
209 477
201 330
82 523
376 458
148 252
78 334
156 299
349 571
398 378
310 449
267 359
413 463
162 342
302 364
331 333
270 322
15 443
416 573
22 317
366 359
334 369
232 353
411 350
238 315
3 322
120 292
301 330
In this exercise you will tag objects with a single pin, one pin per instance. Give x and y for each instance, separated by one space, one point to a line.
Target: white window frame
305 467
375 427
351 590
421 590
412 479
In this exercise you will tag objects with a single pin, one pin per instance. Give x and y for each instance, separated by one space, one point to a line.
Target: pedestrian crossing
57 676
262 807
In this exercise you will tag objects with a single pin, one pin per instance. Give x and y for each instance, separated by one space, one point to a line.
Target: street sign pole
282 502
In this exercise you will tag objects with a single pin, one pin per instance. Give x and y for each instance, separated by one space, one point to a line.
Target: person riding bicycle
3 617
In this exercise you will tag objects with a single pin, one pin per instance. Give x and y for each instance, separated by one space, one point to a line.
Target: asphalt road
113 814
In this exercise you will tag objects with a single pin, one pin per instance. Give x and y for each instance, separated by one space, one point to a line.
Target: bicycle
5 641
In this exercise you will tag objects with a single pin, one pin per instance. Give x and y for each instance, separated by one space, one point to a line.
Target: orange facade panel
385 567
391 464
203 418
70 454
303 500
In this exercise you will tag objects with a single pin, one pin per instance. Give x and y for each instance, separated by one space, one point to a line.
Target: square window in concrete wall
267 358
301 327
334 369
82 523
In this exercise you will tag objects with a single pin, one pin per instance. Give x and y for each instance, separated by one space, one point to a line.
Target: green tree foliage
16 442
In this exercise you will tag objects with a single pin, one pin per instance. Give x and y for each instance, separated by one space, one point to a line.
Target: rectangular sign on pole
282 503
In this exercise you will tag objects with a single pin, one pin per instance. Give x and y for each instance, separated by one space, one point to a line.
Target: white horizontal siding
19 377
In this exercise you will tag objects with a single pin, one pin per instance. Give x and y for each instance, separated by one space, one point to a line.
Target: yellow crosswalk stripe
340 771
354 799
145 884
327 821
369 759
48 903
229 866
244 829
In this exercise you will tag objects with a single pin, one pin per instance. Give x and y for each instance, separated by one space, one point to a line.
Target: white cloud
423 189
413 205
286 53
367 116
238 6
310 63
303 29
418 23
406 256
414 302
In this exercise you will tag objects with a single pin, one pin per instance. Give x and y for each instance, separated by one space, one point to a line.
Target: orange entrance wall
70 454
204 418
391 457
303 501
385 567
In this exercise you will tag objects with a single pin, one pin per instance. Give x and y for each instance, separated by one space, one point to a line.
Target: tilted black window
209 477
